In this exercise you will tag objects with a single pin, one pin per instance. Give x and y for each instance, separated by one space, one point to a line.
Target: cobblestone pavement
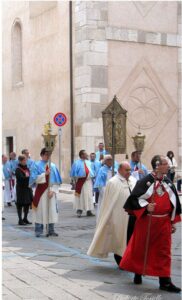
59 269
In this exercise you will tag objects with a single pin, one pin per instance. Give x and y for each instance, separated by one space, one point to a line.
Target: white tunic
8 195
47 210
111 231
84 201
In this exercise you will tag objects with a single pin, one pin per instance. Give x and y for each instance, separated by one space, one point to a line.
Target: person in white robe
82 173
111 230
8 191
13 162
45 208
2 199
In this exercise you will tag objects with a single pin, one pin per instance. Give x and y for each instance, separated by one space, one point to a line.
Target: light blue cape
7 170
95 165
13 165
39 167
101 177
78 169
98 153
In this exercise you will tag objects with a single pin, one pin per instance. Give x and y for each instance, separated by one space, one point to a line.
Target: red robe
158 261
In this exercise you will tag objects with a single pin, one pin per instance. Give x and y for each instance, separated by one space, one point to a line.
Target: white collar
121 177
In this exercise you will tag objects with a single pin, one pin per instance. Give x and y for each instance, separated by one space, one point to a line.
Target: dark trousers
39 228
179 185
25 209
171 175
96 197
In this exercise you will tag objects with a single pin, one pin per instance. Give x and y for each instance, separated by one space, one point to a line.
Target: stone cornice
139 36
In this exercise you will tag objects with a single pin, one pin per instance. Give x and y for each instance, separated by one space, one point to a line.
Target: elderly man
111 231
82 173
155 203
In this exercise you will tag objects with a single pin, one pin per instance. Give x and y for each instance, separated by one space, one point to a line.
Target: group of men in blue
27 175
92 175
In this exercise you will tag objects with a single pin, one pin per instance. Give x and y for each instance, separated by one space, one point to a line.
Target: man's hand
47 172
50 194
151 207
173 228
140 171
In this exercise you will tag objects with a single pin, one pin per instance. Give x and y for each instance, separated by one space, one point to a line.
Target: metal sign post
59 134
60 120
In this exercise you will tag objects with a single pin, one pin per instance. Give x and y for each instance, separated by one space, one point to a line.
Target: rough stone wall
91 72
130 49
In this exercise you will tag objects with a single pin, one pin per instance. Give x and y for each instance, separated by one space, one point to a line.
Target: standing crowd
136 210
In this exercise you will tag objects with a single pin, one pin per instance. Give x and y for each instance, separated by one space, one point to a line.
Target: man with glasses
155 203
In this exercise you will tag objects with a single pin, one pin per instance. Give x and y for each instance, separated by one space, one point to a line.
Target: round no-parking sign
60 119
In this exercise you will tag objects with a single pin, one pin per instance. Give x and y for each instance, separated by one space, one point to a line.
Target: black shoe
9 204
21 222
117 258
53 234
26 222
137 279
3 218
170 287
90 214
79 213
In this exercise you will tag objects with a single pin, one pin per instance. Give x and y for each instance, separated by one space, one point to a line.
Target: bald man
111 231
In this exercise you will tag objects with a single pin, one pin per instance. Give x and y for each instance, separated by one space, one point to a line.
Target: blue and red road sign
60 119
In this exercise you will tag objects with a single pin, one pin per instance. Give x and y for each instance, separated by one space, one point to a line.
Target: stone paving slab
58 268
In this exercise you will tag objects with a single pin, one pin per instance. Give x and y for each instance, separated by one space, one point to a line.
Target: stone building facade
129 49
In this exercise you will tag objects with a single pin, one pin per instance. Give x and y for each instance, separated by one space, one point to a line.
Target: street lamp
49 139
114 127
139 141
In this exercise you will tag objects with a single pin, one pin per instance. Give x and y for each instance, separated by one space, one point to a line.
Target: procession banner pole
148 232
113 144
49 141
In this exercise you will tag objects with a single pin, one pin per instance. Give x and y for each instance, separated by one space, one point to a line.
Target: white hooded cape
111 231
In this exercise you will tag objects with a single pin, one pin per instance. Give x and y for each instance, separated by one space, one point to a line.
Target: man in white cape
111 231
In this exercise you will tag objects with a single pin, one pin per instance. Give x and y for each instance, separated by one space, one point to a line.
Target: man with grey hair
111 231
155 203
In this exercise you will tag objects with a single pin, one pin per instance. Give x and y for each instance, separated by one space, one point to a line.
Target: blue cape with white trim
78 169
39 167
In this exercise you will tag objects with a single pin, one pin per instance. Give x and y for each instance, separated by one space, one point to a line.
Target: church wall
45 88
130 49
